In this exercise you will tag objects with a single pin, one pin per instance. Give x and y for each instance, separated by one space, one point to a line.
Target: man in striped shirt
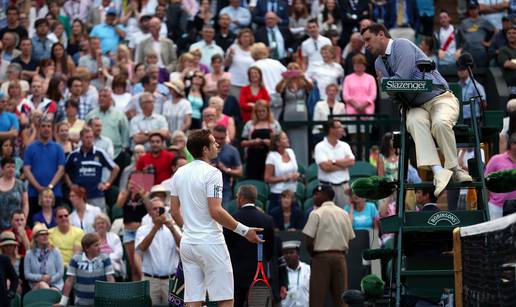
86 268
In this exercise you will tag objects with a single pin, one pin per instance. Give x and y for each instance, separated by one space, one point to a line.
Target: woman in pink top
218 73
222 119
359 92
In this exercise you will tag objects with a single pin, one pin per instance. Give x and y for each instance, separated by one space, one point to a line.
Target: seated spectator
217 73
84 269
256 138
279 7
13 194
110 243
499 39
326 72
11 282
209 118
151 85
76 124
178 110
505 58
83 214
288 216
330 105
277 38
120 94
47 215
7 151
178 147
21 231
426 200
65 67
37 100
388 159
253 92
94 160
65 237
99 140
363 215
157 161
280 168
222 119
469 90
239 16
185 67
43 264
227 161
167 56
9 248
474 34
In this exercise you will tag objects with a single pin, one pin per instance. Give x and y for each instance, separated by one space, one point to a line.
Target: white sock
436 169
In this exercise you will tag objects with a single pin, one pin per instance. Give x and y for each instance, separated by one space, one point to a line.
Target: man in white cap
298 276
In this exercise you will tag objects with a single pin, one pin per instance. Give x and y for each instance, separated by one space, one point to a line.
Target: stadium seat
121 294
362 169
311 172
261 187
301 169
42 296
231 206
16 301
300 192
310 187
116 213
307 205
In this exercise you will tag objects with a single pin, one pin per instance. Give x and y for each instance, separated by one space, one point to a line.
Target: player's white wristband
241 229
64 301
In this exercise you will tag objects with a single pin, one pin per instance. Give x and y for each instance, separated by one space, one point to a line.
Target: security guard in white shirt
298 276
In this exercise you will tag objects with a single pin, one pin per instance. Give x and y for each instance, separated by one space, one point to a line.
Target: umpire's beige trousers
435 118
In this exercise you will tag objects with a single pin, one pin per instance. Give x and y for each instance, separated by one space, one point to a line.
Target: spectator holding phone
158 243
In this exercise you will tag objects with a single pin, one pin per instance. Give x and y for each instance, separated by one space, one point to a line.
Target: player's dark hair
197 140
376 28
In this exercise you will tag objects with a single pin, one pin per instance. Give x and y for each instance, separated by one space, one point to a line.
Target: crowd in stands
97 99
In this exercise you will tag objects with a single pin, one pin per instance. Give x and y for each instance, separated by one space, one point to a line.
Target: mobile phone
161 210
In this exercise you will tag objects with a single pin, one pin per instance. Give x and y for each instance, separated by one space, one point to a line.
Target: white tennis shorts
207 267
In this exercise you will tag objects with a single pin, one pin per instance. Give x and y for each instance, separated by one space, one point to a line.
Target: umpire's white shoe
460 175
441 181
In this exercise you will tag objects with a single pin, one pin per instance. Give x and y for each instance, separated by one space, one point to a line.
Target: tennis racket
260 293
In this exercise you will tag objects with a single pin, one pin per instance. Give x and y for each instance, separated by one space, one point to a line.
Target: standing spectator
157 243
65 237
158 160
22 233
356 46
13 24
43 265
239 59
277 38
83 214
468 90
7 273
231 105
114 126
47 215
280 168
222 119
213 77
109 33
147 122
240 16
100 141
38 101
75 9
505 58
312 45
499 162
207 45
253 92
110 243
402 19
499 39
356 11
446 38
272 71
202 216
9 125
363 215
71 108
426 14
177 111
474 34
224 37
298 19
330 17
333 158
298 276
64 65
164 47
197 98
388 160
243 252
288 215
326 72
86 268
327 234
493 10
9 47
279 7
7 150
94 61
256 138
330 106
41 45
84 168
26 59
228 162
43 166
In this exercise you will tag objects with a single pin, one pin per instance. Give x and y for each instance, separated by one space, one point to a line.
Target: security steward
327 234
430 114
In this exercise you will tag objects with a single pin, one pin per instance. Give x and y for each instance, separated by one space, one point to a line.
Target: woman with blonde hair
185 66
110 243
327 72
256 138
123 57
43 265
47 215
238 59
222 119
197 61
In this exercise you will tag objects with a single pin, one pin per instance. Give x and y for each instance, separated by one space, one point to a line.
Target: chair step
450 186
427 272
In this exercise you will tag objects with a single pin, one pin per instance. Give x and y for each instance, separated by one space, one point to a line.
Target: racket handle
260 248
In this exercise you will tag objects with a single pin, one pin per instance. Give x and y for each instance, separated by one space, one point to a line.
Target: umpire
430 115
327 234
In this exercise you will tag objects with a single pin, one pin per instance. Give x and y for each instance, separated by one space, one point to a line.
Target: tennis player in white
196 205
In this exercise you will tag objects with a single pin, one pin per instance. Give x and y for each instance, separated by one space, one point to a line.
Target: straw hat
7 238
39 229
177 85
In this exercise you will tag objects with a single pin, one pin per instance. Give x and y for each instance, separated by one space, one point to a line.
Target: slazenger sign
438 217
406 85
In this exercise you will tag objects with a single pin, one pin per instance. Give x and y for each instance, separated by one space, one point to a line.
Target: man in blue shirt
228 162
9 126
43 166
468 91
84 168
110 34
41 45
430 114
